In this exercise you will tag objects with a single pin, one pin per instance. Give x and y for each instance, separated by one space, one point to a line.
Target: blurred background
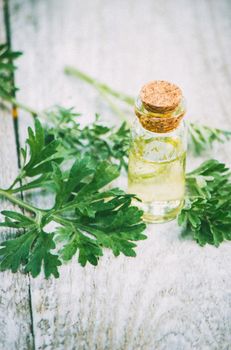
124 44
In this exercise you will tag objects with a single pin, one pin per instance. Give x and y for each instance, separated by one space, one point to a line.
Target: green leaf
87 248
19 220
31 249
7 88
206 213
17 216
41 255
202 137
95 140
40 154
16 251
38 161
90 216
104 174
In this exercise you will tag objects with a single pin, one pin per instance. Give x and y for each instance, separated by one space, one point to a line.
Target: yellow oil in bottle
156 174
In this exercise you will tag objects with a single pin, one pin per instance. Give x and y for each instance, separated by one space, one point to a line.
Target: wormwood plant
89 216
206 215
96 140
75 165
7 89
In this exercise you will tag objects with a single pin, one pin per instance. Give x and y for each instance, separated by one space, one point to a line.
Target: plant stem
113 107
98 85
20 203
60 220
22 106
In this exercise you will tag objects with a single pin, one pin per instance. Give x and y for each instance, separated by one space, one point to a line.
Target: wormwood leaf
40 154
81 169
202 137
41 254
95 140
7 68
89 215
207 211
19 220
37 160
89 250
31 249
17 216
16 251
104 173
92 223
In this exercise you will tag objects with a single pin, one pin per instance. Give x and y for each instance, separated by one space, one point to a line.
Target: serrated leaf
16 251
95 140
202 137
89 216
207 209
7 68
41 255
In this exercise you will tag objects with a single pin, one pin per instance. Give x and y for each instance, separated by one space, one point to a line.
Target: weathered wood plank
15 318
174 295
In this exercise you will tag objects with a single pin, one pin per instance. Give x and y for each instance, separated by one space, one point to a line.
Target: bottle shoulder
139 130
158 146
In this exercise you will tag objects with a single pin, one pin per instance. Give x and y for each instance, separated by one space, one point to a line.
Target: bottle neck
160 122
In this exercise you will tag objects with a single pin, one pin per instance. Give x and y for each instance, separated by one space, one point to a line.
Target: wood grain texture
174 295
15 320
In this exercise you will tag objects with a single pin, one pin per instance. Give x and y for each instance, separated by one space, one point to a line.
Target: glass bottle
156 170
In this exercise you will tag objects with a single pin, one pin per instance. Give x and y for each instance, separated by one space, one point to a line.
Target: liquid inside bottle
156 174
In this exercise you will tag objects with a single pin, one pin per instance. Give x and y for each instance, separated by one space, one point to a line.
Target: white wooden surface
15 316
174 295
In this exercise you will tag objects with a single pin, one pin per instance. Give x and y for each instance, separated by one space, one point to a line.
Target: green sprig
207 210
7 88
97 140
90 216
202 137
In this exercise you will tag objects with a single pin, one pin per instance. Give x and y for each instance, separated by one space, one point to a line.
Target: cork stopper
161 108
160 96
